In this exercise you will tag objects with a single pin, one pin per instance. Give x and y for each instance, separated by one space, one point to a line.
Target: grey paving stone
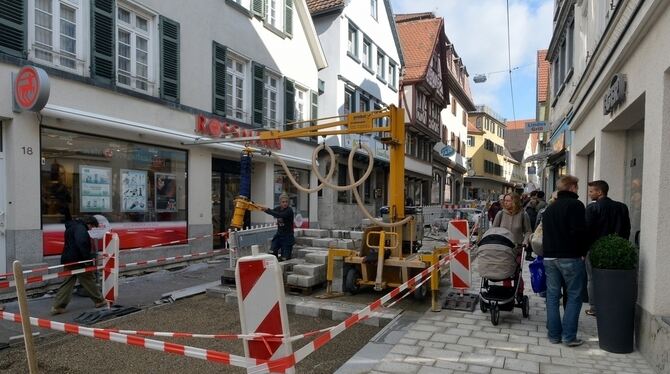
469 327
432 370
556 369
545 351
421 335
430 328
522 365
451 366
444 338
534 358
503 371
440 354
397 367
429 344
490 335
473 342
507 346
478 369
482 360
459 332
504 353
523 339
407 341
410 350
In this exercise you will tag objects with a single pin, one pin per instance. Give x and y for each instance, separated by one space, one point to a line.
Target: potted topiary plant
614 262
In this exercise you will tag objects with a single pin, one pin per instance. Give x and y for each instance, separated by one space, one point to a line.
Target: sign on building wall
615 95
533 127
31 89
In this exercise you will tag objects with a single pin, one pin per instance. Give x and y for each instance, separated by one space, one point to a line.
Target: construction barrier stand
260 295
459 234
110 268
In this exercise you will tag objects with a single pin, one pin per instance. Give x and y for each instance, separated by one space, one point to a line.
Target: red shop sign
213 128
31 89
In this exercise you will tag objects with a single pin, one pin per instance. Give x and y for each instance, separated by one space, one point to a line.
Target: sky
478 30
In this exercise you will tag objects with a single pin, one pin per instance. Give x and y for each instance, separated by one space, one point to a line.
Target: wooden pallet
305 291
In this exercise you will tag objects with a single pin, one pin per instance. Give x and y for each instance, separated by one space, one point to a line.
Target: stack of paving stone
308 267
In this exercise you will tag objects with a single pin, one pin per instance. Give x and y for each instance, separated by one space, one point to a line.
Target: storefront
141 189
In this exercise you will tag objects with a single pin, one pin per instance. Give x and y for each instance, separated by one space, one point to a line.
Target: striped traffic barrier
458 234
110 272
260 291
46 277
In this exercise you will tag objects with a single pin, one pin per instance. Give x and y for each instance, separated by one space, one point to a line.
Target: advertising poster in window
166 192
95 191
133 190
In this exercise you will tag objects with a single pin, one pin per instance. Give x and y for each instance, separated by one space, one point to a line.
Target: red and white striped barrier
167 259
289 361
110 272
45 277
260 295
157 345
44 269
458 234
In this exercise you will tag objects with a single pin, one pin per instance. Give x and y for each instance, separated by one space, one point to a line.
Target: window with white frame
57 33
133 49
235 99
270 94
471 141
380 65
348 106
301 103
373 8
365 103
367 53
352 47
391 75
273 12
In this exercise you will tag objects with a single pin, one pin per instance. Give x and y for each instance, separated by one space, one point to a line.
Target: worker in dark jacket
565 243
604 216
77 248
283 241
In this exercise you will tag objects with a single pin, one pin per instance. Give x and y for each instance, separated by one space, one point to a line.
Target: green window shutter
259 87
289 102
102 40
315 106
258 8
169 42
288 18
219 79
13 27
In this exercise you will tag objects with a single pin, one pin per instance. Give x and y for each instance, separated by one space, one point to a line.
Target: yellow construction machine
382 261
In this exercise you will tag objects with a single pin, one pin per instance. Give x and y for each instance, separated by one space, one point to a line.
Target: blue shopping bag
538 278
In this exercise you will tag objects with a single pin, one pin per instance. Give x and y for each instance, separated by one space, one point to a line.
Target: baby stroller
501 274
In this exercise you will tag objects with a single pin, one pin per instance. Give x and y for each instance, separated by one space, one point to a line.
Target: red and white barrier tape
166 259
157 345
290 360
46 268
45 277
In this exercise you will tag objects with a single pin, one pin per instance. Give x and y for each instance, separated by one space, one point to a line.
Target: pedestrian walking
77 247
604 216
565 243
513 218
495 207
283 241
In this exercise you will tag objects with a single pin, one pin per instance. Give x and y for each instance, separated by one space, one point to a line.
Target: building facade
424 94
616 93
449 161
361 45
132 85
485 179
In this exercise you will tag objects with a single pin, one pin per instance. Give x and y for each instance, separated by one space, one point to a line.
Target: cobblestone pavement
463 342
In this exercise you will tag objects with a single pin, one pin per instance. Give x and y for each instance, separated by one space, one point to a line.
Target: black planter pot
615 294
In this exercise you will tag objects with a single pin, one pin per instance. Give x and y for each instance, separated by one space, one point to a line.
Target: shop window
139 188
298 200
133 49
56 34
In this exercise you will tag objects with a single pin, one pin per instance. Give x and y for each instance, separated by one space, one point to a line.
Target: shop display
95 190
133 190
166 192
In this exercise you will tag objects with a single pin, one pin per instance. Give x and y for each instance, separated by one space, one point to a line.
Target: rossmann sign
214 128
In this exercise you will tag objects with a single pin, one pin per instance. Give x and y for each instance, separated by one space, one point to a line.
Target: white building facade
361 46
615 96
132 84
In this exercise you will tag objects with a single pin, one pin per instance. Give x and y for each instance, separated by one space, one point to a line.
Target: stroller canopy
497 235
497 254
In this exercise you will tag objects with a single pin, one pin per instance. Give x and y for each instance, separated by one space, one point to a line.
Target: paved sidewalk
463 342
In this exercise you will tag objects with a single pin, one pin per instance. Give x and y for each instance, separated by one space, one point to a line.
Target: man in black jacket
283 241
77 248
604 216
565 243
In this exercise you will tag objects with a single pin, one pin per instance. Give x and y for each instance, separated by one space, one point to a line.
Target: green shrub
613 252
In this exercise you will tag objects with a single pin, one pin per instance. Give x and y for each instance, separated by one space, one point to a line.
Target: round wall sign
31 88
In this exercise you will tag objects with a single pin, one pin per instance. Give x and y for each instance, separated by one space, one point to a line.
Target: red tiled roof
321 6
543 69
413 16
417 40
515 125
